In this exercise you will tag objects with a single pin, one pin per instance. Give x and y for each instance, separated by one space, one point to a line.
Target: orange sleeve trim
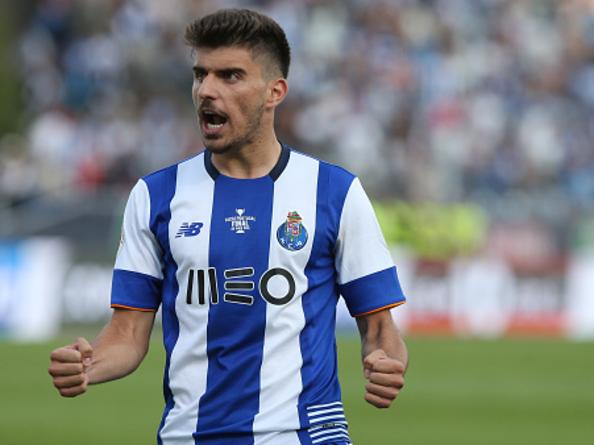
121 306
389 306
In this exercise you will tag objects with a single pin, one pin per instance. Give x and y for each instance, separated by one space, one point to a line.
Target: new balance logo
189 229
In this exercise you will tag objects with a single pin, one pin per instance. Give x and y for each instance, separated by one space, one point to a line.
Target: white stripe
277 438
189 362
139 250
360 248
280 376
328 431
325 405
335 436
320 419
326 411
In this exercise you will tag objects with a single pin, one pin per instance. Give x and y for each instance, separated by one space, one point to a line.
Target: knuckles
69 381
387 392
386 365
396 366
397 382
378 402
73 391
390 380
64 369
64 353
68 392
382 394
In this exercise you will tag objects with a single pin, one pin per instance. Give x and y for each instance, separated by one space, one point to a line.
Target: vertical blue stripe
235 332
318 345
161 186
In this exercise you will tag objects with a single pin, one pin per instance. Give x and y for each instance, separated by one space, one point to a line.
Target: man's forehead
223 56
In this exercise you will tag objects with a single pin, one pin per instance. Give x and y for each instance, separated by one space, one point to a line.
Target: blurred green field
458 392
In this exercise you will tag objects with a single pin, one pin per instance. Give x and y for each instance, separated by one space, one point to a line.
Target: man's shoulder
334 172
168 174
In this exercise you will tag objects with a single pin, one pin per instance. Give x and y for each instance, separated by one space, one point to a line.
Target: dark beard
248 138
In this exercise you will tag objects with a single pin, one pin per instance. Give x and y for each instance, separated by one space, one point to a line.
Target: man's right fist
69 365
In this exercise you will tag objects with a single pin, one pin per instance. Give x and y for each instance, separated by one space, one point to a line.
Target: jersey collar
276 171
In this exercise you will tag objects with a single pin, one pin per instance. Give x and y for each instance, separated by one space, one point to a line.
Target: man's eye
199 75
233 76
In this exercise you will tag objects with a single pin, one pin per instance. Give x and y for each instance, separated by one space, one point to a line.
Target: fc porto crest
292 234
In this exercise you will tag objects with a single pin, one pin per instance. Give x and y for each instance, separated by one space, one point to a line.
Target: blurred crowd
489 101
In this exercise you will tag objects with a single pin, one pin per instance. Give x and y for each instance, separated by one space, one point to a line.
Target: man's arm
116 352
385 357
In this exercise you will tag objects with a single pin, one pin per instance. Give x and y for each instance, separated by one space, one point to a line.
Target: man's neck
250 161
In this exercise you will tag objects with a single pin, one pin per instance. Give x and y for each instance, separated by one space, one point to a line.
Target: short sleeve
367 277
137 275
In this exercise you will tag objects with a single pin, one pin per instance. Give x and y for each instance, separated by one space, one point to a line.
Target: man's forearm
384 357
378 331
120 347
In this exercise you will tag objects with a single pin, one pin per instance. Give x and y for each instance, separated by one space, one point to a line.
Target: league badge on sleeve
292 234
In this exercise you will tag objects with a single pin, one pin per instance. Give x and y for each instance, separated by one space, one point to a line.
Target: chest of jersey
239 242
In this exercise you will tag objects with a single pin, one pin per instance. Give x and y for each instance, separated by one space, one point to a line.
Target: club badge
292 234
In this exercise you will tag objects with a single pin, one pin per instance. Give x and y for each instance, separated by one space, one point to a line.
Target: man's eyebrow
230 70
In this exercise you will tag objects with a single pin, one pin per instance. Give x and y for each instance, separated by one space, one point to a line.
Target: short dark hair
241 27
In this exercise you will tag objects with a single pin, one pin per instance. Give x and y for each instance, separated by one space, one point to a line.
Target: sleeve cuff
372 293
130 308
136 291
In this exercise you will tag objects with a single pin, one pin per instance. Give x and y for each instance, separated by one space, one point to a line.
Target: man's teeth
213 126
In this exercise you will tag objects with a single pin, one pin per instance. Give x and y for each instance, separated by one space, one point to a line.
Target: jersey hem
132 308
373 311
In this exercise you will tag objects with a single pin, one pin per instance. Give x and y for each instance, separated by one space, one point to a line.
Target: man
246 247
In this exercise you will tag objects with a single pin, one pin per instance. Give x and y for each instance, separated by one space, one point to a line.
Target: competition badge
292 234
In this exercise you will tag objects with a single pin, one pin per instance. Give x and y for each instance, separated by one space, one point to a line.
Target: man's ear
277 91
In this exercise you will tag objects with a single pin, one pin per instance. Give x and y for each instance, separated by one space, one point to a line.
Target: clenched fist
69 365
385 376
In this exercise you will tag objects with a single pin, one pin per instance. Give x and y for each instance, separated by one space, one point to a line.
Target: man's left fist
385 377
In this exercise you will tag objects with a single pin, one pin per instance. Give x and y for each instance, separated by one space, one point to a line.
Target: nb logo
237 282
189 229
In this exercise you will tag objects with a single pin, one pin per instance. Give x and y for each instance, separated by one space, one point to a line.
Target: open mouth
211 120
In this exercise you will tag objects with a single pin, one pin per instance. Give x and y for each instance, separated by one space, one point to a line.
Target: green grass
457 392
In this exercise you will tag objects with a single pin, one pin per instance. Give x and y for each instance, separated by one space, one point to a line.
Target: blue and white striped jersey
248 273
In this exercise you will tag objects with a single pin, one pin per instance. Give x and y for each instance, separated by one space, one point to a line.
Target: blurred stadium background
470 123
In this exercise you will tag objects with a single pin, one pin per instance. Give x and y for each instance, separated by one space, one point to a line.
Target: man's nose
207 88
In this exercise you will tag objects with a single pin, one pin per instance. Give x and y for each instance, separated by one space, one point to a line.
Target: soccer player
246 247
